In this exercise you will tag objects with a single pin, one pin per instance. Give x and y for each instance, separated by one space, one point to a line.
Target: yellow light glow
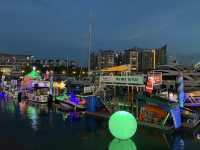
60 85
121 68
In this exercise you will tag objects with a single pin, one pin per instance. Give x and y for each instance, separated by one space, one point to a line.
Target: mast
90 42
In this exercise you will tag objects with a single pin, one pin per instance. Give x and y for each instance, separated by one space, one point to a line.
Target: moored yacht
170 73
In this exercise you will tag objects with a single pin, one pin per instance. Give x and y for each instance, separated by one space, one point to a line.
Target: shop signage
135 79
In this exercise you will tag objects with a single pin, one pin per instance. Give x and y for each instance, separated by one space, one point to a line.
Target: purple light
2 94
73 98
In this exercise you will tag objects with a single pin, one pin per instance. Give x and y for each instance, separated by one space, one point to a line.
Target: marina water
35 127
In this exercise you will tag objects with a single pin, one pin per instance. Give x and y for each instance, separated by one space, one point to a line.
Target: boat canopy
120 68
163 103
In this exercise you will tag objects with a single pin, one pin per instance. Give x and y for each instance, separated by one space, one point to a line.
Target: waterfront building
147 60
55 62
60 67
131 57
12 64
103 59
151 59
140 60
93 61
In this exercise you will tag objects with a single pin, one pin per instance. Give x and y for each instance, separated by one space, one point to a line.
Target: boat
170 73
34 89
191 80
78 91
39 92
70 99
157 112
12 94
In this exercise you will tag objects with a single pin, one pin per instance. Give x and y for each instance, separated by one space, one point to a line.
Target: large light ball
117 144
122 125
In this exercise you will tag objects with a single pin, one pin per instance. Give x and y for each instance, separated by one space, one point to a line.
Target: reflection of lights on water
198 136
22 107
33 116
70 116
10 108
182 142
178 143
117 144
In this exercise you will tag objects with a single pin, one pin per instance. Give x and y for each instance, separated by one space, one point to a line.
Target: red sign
157 77
149 85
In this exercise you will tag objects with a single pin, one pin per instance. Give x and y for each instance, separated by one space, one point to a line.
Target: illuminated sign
41 83
89 89
149 85
156 76
135 79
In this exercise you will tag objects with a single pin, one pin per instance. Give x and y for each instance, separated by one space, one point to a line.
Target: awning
33 74
121 68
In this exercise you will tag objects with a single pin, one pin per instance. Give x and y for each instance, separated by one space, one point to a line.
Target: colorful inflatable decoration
122 125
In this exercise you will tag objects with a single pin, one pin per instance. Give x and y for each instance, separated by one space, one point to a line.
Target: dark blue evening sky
59 28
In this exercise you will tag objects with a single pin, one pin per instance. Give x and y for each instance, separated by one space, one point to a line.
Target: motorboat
39 92
70 99
171 72
35 89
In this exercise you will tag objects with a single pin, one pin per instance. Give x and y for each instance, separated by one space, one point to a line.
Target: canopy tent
28 79
121 68
33 75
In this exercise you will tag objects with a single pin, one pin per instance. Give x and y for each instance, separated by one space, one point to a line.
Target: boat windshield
41 91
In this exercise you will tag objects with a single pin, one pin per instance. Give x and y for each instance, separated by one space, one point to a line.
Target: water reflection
37 112
117 144
87 131
33 116
178 143
7 106
23 107
196 134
